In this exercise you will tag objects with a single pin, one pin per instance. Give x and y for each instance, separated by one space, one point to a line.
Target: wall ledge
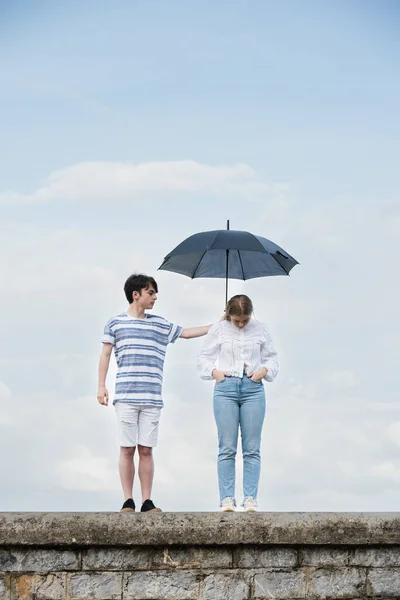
193 529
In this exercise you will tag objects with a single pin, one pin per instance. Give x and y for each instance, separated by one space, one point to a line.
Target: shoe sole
152 510
250 510
127 510
227 510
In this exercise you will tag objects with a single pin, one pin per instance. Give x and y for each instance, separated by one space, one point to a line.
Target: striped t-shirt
139 348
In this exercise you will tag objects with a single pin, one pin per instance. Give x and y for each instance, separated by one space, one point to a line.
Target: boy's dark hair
136 283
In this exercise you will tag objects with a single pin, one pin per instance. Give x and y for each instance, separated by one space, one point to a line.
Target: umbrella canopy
228 253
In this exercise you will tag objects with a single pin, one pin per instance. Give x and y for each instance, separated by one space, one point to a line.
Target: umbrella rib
258 242
270 253
198 264
287 272
241 264
202 256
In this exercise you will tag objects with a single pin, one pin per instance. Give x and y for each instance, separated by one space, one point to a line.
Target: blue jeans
239 401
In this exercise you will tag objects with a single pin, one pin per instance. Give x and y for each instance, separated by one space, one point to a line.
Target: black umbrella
228 253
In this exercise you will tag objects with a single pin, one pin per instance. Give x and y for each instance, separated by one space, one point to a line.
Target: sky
126 127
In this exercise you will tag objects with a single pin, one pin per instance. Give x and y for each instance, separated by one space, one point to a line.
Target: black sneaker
128 506
148 506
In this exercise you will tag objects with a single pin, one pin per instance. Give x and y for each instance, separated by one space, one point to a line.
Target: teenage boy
140 341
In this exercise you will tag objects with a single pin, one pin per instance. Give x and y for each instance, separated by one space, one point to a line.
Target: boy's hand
219 375
257 376
102 395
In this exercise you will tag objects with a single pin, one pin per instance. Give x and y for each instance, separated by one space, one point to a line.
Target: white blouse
235 350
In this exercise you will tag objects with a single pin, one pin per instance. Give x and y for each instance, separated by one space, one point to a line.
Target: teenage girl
238 353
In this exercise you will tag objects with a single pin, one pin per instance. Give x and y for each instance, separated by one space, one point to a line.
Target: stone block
279 585
38 561
38 587
192 558
338 583
376 557
226 586
254 558
324 557
161 586
384 582
115 559
95 586
4 587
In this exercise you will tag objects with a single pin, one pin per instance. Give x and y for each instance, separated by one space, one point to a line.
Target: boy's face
146 298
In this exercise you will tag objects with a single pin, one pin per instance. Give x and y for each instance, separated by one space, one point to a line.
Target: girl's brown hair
239 306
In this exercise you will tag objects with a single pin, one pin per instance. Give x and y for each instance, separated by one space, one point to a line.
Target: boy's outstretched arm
194 332
102 392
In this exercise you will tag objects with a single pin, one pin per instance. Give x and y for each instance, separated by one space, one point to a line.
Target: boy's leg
127 470
148 425
146 470
127 428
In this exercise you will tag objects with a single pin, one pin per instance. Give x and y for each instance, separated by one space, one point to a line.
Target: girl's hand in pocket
219 375
257 376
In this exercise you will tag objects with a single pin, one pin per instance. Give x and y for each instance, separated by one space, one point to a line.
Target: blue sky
293 89
125 127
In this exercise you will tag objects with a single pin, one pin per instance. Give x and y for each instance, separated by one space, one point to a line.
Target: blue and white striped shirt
139 347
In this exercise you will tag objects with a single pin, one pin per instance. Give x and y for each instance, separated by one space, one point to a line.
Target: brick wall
54 557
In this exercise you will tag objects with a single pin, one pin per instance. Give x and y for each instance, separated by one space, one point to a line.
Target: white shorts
137 424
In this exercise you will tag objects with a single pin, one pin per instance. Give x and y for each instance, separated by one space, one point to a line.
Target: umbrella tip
227 224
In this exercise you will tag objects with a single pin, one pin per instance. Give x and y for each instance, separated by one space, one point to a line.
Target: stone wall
198 556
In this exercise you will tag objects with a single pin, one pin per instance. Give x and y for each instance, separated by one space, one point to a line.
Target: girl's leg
226 413
252 412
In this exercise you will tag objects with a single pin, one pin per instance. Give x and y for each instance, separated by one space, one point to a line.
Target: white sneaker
228 504
250 504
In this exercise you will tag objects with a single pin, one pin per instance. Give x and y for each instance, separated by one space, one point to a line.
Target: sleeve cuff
177 334
269 376
206 373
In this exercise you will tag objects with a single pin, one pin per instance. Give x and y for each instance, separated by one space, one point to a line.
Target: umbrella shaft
226 281
226 278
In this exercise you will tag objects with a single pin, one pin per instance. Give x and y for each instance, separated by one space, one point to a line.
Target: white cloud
47 264
393 433
87 472
391 211
330 434
5 392
394 225
114 181
387 471
5 399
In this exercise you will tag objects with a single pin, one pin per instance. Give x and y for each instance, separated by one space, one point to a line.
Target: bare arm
102 392
194 332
